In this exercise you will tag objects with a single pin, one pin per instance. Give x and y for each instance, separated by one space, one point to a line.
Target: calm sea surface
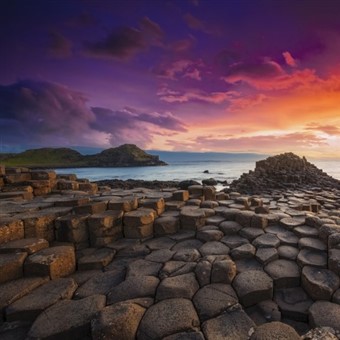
182 170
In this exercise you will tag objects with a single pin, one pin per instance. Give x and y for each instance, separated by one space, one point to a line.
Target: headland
258 260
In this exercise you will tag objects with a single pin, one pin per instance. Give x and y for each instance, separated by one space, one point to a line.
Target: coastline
189 253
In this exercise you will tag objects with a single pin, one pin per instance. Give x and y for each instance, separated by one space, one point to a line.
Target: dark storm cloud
121 43
125 42
40 112
43 111
59 46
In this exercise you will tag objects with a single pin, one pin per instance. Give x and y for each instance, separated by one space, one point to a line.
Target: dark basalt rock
136 183
283 172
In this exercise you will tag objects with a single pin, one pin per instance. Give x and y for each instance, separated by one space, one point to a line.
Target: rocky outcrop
82 261
284 171
122 156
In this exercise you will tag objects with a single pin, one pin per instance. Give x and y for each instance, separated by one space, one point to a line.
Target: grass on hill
59 157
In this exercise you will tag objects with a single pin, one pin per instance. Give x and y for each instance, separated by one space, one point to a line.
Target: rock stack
281 172
88 262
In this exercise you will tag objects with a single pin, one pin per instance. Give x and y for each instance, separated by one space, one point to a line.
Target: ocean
182 169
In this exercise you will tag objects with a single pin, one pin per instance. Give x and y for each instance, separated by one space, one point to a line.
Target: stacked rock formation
283 171
89 262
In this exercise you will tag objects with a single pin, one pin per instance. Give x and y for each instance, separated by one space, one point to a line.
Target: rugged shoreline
83 260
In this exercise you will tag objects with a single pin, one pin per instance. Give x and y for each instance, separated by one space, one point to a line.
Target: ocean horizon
190 167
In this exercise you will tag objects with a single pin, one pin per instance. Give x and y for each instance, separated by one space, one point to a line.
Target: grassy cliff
122 156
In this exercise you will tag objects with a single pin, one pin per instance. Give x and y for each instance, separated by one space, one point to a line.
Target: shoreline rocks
80 260
285 171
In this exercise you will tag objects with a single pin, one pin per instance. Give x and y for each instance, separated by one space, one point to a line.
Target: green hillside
46 157
122 156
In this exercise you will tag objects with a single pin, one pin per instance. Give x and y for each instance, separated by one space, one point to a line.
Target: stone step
54 262
28 245
11 266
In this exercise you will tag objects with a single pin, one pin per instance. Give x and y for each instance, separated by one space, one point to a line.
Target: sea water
183 170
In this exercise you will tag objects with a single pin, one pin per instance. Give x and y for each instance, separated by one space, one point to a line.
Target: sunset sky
188 75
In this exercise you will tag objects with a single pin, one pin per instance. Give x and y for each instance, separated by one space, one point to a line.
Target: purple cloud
44 113
125 42
59 46
130 118
122 43
151 28
197 24
254 70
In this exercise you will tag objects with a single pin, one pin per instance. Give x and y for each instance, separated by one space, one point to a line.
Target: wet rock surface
92 262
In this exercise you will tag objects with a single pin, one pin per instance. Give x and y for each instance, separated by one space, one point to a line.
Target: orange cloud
328 129
239 104
289 59
296 141
170 96
270 76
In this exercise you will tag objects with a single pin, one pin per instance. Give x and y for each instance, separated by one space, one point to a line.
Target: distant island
127 155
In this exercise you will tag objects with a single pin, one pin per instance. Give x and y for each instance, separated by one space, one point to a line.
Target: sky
188 75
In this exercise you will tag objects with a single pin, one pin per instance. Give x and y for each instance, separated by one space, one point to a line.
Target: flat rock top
237 267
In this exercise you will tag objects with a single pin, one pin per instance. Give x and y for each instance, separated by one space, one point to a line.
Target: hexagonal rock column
293 302
123 203
180 286
67 319
180 195
156 204
209 193
214 299
334 260
325 314
319 283
70 201
168 317
30 306
91 188
105 227
328 229
233 324
16 289
11 229
132 288
196 191
275 330
63 184
139 223
223 271
253 286
27 245
39 224
118 321
166 225
285 273
11 266
72 228
97 260
91 208
334 241
192 218
244 218
53 262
